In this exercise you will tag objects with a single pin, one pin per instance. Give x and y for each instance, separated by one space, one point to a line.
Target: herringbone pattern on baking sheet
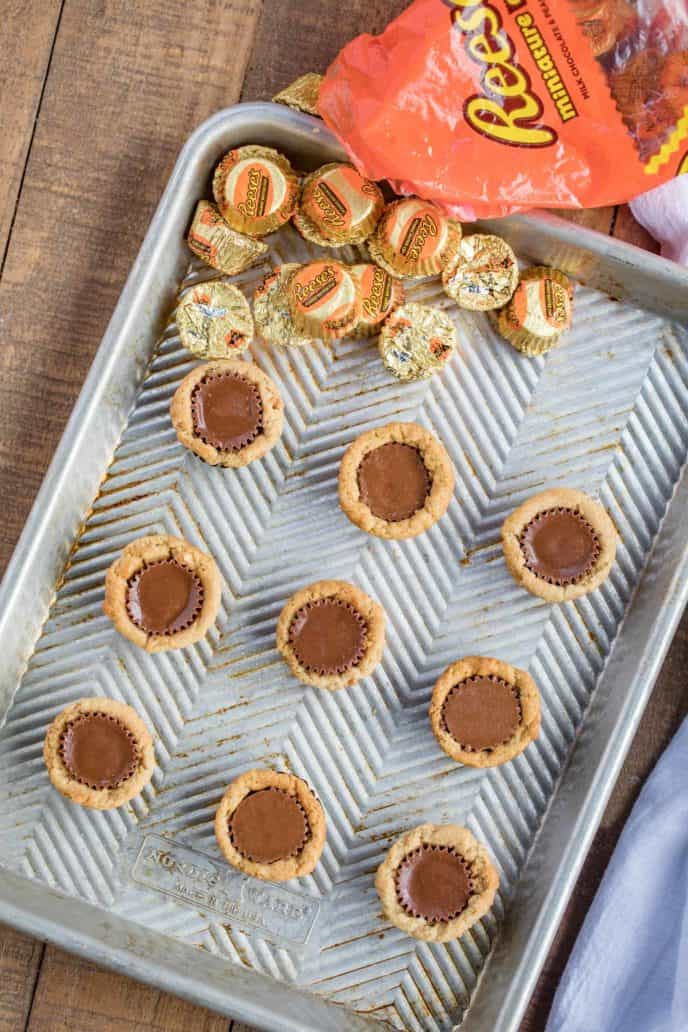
600 413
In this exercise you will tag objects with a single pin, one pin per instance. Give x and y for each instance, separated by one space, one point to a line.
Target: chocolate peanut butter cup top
328 636
227 411
268 825
482 712
393 481
164 597
433 883
560 546
98 750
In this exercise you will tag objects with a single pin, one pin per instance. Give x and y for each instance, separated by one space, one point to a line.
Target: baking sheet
606 413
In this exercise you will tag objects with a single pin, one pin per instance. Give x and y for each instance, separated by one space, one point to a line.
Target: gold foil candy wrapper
302 94
381 294
271 309
417 341
308 231
414 238
339 205
220 246
255 189
540 310
483 274
324 299
214 320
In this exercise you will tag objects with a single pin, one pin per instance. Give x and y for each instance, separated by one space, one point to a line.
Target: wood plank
295 37
667 707
27 31
75 996
20 959
599 219
127 84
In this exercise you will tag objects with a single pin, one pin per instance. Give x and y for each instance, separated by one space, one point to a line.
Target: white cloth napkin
664 214
629 968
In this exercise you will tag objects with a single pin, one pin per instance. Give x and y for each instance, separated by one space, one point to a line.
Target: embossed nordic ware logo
202 884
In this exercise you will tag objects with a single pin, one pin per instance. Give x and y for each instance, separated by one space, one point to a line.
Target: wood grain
73 995
296 37
127 84
20 961
27 31
599 219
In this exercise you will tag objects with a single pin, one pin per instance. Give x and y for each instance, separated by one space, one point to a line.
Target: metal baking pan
143 889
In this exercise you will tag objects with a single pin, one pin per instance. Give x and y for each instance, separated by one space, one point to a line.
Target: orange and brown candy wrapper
502 105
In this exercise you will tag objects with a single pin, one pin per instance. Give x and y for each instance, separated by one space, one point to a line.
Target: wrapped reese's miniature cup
381 294
483 273
214 320
539 312
302 94
255 189
220 246
414 238
271 309
324 299
338 206
417 341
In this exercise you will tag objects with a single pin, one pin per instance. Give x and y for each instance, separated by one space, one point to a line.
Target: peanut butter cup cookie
270 825
228 412
99 753
484 712
560 544
331 634
395 481
162 593
436 882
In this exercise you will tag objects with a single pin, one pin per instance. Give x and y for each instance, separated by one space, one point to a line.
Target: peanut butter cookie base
151 549
565 498
436 460
483 876
281 870
84 795
529 701
273 413
372 613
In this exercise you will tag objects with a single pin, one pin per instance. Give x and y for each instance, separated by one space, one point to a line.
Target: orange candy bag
496 106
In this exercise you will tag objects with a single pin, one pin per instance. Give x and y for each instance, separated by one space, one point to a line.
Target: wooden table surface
97 98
